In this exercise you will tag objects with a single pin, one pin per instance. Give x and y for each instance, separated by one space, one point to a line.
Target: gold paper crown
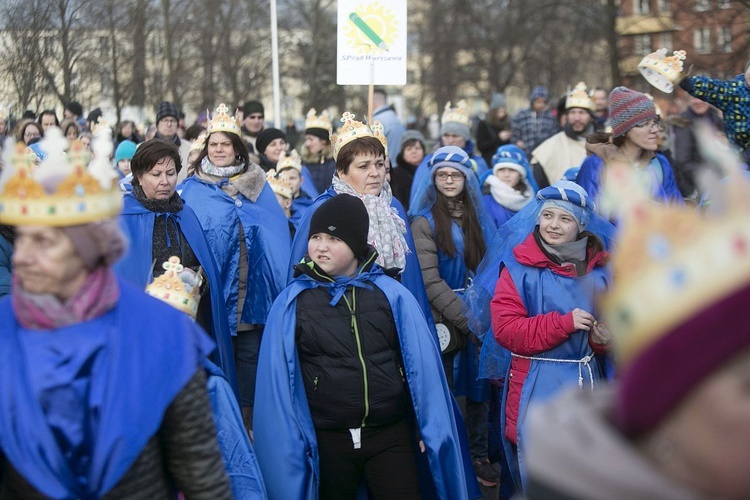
289 160
280 184
223 122
379 132
322 121
199 142
178 286
579 98
671 262
61 191
350 130
459 114
662 71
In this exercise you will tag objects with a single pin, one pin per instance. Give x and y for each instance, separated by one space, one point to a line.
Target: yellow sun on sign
371 28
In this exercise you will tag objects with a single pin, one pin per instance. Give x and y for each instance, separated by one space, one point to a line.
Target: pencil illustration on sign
372 28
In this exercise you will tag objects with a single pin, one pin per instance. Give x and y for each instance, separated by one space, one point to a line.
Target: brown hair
21 129
149 153
360 146
605 138
239 146
69 123
474 244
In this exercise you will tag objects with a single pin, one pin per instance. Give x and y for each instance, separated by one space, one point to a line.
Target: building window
664 6
702 40
665 41
641 7
724 40
642 45
702 5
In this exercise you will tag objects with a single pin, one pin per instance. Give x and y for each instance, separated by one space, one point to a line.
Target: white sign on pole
371 42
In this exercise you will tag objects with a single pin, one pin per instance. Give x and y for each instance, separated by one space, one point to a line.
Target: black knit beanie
266 136
345 217
251 107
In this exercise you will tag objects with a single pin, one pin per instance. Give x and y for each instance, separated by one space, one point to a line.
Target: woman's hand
582 320
600 334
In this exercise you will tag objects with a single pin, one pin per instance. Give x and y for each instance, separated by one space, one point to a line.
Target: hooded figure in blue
354 392
510 185
248 234
634 138
550 260
158 225
360 171
450 233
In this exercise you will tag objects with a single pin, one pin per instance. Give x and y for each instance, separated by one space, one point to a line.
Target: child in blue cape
354 389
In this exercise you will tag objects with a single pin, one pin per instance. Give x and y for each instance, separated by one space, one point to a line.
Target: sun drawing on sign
371 28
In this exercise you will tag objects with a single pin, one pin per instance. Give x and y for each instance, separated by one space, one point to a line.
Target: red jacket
516 331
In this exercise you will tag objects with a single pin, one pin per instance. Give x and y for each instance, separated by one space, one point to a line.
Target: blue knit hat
125 151
570 197
451 156
510 156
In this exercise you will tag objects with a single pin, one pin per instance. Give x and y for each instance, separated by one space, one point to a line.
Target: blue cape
6 251
411 278
137 223
284 433
266 234
139 350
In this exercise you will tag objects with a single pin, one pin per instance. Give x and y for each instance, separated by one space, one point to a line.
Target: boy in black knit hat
353 382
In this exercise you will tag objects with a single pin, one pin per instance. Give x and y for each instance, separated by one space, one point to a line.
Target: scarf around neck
98 294
171 205
223 172
387 229
507 196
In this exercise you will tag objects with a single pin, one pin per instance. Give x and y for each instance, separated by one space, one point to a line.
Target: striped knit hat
628 108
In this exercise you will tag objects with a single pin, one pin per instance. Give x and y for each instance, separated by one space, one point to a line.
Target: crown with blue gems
672 261
663 71
223 122
350 130
321 121
179 287
65 189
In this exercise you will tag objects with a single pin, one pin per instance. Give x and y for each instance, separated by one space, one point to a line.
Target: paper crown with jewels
321 121
199 142
179 287
459 114
280 184
579 98
61 190
662 71
223 122
289 160
353 129
670 261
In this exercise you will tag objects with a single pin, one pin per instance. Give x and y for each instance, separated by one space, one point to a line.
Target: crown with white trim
223 122
349 131
199 142
379 132
61 190
321 121
579 98
663 71
280 184
289 160
459 114
179 287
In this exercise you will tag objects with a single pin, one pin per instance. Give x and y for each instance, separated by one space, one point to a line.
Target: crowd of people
360 310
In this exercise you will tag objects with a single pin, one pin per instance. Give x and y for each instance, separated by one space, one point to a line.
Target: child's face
508 176
332 255
124 166
556 226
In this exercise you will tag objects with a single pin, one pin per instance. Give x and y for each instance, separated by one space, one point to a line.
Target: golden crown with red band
289 160
321 121
280 184
671 261
349 131
179 287
459 114
663 71
223 122
65 189
579 98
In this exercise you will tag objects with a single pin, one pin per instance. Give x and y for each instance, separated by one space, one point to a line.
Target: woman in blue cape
248 235
451 234
389 233
534 295
104 393
635 129
355 391
158 225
